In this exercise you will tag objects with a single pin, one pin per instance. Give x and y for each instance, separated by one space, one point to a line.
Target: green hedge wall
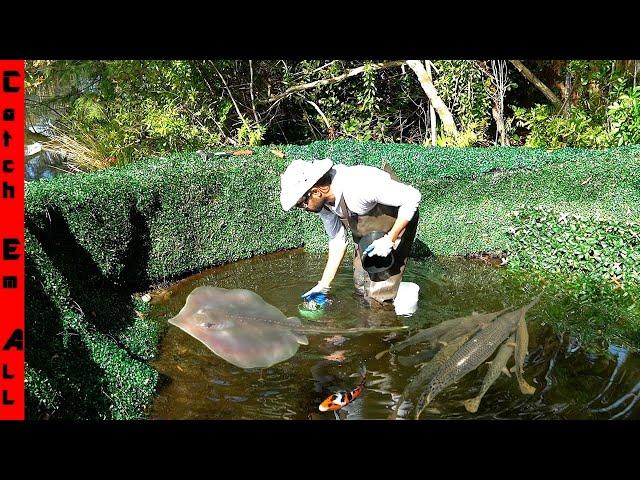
94 240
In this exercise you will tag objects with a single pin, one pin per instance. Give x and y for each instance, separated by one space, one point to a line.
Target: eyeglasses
302 203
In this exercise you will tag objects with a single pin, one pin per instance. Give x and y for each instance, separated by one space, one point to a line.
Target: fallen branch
315 105
536 81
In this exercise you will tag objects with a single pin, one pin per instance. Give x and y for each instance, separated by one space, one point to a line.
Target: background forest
100 113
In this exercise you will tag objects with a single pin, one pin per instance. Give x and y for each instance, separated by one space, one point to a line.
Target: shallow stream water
571 381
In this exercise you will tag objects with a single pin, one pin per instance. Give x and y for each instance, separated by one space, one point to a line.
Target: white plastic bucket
406 301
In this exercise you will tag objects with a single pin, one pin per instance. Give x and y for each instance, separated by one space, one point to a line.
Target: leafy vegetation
598 250
601 108
593 263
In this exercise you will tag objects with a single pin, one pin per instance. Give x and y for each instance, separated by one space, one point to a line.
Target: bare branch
311 127
224 82
253 103
499 78
318 69
224 135
339 78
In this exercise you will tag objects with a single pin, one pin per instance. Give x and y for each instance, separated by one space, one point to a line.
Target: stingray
243 329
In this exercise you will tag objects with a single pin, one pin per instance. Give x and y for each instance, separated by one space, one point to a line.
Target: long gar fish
421 357
522 347
498 366
427 372
473 353
457 326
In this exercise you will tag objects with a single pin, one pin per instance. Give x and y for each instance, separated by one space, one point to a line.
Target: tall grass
82 152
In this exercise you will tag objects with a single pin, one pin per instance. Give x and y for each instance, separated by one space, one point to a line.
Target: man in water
365 200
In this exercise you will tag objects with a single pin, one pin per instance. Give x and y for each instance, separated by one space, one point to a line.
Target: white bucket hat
299 177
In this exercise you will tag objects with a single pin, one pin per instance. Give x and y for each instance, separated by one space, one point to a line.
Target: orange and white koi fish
343 397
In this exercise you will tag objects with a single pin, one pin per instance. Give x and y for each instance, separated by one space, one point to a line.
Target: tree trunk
500 130
432 111
541 86
500 79
568 87
427 85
